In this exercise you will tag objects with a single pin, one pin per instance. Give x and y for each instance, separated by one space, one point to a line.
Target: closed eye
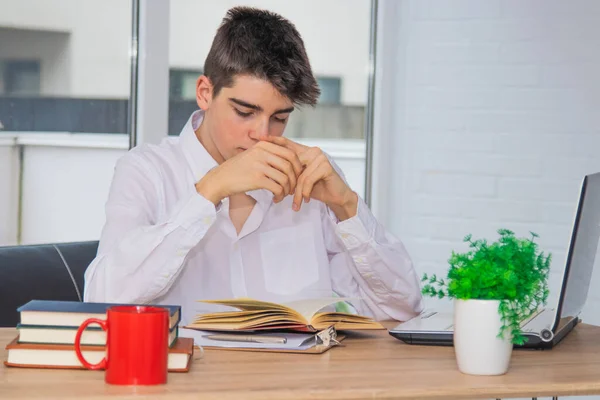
281 120
241 113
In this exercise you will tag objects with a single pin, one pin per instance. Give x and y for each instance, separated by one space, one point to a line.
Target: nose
254 136
260 131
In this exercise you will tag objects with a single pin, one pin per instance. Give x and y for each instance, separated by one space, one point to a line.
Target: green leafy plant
511 270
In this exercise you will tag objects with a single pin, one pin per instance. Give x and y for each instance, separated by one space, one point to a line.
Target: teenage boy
230 208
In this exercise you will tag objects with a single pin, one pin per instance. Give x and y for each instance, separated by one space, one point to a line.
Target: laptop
546 328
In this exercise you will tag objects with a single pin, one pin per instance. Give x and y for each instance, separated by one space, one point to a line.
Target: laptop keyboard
444 322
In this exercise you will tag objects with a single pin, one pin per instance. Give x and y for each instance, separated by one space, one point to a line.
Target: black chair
42 272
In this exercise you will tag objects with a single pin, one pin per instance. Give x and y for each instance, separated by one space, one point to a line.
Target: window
182 83
64 94
331 90
21 78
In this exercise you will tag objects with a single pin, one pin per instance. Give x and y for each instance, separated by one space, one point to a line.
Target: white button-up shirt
163 243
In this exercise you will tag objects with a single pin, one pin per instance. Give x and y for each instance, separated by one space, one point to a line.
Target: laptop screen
582 250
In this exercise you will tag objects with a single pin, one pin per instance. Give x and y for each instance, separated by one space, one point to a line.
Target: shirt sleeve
369 263
139 257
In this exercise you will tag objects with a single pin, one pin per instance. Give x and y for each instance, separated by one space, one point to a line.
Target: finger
285 153
279 177
273 187
309 156
314 175
284 166
285 142
302 182
297 201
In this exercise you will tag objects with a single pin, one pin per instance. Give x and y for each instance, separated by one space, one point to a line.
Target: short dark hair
263 44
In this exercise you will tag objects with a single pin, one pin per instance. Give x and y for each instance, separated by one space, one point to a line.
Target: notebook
36 355
294 342
299 316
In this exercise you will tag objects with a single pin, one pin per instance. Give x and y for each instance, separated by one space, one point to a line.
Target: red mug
136 345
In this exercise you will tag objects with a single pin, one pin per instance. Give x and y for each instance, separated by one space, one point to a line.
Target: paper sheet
296 341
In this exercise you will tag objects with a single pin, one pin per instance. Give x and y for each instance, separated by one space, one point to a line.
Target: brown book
36 355
299 315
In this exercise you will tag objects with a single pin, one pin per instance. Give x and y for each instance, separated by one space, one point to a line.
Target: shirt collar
262 196
200 161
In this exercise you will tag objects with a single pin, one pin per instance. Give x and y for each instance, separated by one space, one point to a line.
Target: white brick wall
497 123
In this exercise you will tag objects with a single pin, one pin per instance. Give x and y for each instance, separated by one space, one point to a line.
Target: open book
300 315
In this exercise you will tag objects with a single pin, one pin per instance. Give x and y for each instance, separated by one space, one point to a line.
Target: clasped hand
283 167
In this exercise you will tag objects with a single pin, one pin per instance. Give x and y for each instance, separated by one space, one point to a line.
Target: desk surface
371 365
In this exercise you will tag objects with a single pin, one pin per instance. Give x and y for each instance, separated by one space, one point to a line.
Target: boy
230 208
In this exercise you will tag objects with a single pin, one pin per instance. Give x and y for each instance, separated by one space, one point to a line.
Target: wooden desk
372 365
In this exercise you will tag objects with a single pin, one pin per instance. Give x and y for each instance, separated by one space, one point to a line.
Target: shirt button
207 220
345 236
236 247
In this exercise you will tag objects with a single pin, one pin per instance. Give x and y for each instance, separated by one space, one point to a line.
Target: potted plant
495 286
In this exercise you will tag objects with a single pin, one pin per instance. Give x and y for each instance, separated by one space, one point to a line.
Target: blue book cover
97 309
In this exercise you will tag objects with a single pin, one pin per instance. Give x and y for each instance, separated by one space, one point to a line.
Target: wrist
347 207
210 189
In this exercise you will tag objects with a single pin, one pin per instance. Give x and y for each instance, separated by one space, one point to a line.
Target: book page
309 307
246 304
298 311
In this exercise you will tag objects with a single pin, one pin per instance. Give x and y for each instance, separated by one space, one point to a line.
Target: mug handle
102 323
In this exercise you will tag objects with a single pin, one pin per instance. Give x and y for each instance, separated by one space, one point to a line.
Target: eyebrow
259 108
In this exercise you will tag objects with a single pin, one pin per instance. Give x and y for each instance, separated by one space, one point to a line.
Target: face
239 116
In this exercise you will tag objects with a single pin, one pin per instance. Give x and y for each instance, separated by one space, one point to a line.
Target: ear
204 92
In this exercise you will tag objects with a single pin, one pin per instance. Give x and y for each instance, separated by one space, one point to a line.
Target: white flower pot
478 349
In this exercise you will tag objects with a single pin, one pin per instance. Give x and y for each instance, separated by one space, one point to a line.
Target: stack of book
47 329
